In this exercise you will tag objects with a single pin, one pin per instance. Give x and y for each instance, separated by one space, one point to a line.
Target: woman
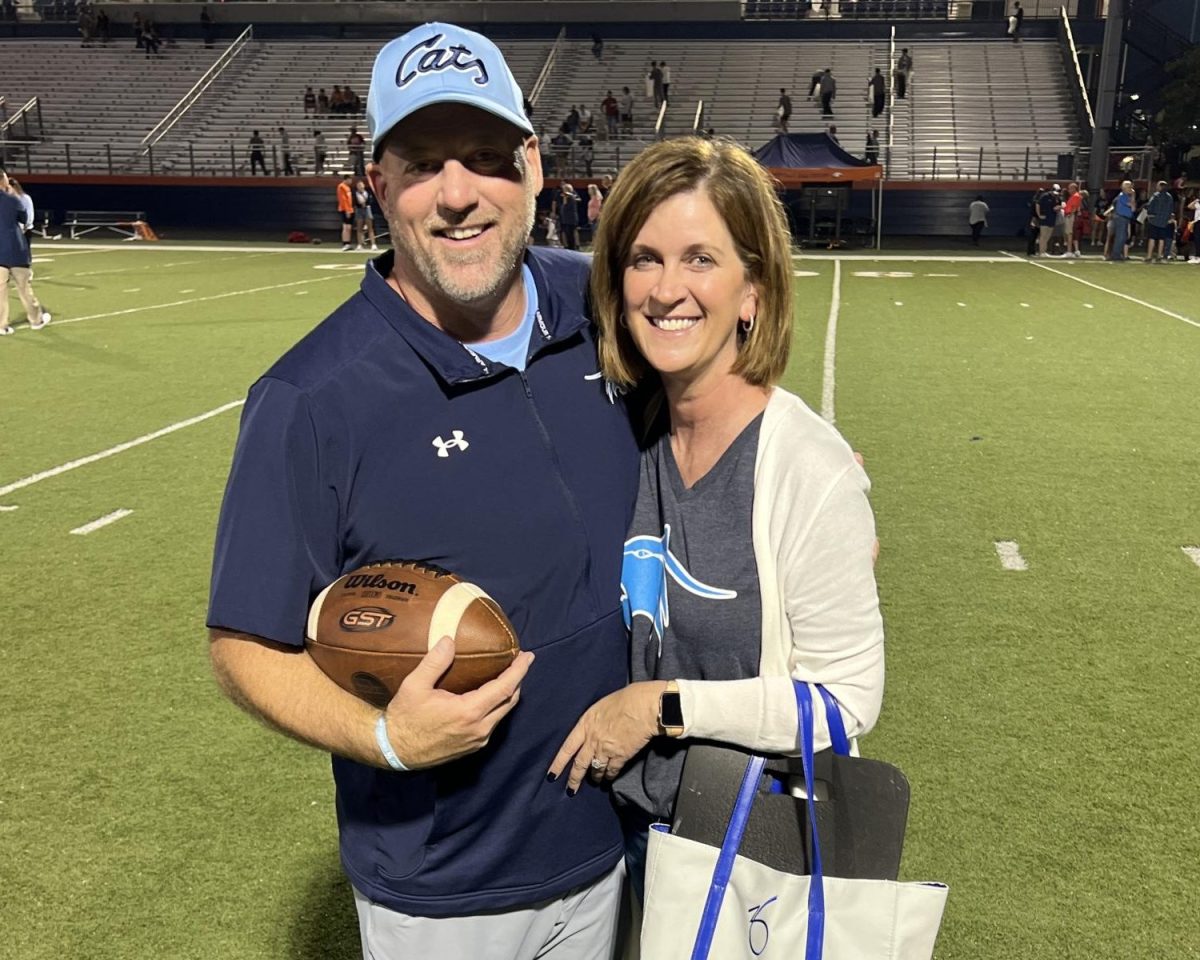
748 562
1124 209
595 203
364 220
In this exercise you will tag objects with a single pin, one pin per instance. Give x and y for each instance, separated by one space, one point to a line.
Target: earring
625 323
747 325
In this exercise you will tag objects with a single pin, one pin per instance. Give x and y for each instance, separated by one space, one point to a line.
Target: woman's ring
599 763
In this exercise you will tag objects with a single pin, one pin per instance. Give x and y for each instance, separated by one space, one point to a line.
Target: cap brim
435 97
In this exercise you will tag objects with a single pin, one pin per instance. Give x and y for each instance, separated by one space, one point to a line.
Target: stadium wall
272 207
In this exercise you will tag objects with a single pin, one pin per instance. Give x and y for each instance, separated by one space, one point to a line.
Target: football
370 627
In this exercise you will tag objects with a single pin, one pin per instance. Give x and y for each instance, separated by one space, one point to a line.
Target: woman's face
685 288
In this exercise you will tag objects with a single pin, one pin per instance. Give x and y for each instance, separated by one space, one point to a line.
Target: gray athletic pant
580 925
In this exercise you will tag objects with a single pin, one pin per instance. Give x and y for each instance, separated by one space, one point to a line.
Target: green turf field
1046 718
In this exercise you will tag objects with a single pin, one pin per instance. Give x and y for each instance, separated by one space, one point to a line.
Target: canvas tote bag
704 902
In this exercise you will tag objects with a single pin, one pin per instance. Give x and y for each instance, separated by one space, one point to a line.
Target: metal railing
11 144
175 114
1079 93
543 76
942 10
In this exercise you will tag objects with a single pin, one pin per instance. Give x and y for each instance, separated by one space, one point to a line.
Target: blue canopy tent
813 159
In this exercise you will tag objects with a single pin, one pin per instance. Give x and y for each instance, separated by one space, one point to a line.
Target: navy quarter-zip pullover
381 437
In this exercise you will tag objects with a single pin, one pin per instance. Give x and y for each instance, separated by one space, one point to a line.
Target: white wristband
385 745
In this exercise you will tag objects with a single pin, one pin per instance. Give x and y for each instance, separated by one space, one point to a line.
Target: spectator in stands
335 100
904 66
206 26
364 219
353 101
285 148
345 205
15 261
649 78
572 121
626 111
1017 21
815 84
322 102
597 46
656 82
356 146
666 80
872 151
1159 210
828 92
256 154
977 214
319 152
1124 210
783 112
150 38
612 114
560 148
1071 208
8 11
585 118
586 151
138 29
878 87
310 100
568 216
103 26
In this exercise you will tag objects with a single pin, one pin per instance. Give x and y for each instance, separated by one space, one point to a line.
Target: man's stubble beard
449 285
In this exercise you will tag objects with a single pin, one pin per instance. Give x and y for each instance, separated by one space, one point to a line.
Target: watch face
671 710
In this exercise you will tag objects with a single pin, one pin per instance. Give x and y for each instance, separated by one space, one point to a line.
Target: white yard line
1009 552
181 303
119 448
827 383
899 257
61 246
103 521
1115 293
1193 553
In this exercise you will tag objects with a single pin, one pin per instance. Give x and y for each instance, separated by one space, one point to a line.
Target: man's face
458 203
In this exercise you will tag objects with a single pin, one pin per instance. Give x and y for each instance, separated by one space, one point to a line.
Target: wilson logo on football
362 619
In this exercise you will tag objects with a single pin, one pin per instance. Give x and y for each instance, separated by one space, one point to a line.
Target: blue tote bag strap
737 827
833 715
729 849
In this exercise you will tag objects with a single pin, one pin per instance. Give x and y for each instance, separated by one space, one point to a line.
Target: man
356 146
626 111
656 82
828 92
611 114
666 80
320 150
1018 18
345 205
447 412
15 261
877 86
285 148
1159 209
1047 215
977 215
904 65
257 159
784 110
872 151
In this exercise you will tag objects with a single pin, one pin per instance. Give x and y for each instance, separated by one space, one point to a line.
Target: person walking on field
1159 209
977 217
15 261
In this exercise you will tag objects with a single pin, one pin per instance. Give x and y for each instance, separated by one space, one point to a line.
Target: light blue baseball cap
440 63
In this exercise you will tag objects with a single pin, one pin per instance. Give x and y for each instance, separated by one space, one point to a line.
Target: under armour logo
444 446
435 59
611 390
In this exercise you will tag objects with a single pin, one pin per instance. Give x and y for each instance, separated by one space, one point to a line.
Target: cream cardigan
813 531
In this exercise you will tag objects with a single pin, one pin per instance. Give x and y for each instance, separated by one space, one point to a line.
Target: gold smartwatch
670 711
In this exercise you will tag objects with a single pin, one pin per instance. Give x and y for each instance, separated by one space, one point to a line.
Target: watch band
670 711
